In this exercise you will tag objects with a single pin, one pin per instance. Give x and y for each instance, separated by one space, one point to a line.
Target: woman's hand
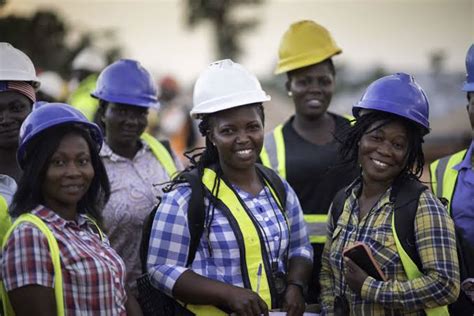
245 302
293 301
354 275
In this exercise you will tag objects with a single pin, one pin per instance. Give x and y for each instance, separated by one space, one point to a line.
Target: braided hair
351 137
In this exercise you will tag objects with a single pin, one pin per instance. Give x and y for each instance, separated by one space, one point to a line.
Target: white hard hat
16 66
51 84
224 85
89 59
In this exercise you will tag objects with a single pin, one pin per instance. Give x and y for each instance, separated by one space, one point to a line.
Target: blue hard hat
126 81
398 94
48 115
469 83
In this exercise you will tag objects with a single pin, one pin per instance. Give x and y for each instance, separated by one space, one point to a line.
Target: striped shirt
169 242
436 244
93 274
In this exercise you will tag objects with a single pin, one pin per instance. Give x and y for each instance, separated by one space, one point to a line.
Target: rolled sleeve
169 240
299 240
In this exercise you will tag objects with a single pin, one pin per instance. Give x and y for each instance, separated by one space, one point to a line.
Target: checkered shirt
169 242
93 274
436 244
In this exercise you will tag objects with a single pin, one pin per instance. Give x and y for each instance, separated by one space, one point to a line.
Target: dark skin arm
193 288
40 300
131 306
293 301
354 275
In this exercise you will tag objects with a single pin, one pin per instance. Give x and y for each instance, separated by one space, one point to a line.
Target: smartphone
360 253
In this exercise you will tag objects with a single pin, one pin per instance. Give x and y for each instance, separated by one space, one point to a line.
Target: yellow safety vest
161 153
53 249
252 247
273 156
5 219
81 98
444 177
413 272
55 258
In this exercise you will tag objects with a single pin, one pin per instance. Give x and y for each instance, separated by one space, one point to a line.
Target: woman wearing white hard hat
18 82
253 254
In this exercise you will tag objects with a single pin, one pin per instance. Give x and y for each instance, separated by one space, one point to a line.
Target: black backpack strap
196 212
146 232
275 182
407 194
338 205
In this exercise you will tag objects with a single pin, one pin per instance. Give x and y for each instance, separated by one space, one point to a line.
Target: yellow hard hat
305 43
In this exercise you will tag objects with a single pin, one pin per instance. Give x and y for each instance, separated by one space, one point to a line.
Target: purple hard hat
398 94
469 83
126 81
48 115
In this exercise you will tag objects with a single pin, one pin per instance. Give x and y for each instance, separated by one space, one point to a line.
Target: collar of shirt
107 152
51 217
467 162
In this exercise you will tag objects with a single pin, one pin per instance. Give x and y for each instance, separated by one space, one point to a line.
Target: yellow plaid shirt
436 244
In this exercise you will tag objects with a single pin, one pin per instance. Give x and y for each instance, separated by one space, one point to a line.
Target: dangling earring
290 94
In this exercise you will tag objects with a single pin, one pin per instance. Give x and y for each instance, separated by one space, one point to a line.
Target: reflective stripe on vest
53 249
5 220
273 153
350 118
444 177
161 153
412 272
252 247
316 226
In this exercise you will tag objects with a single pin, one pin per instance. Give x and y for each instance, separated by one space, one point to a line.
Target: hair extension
352 135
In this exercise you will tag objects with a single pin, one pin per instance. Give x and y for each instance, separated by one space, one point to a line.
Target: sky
398 35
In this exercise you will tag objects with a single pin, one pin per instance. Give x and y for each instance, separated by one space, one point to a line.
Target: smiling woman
392 118
57 235
254 253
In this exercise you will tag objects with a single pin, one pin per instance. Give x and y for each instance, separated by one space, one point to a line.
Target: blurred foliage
42 37
227 29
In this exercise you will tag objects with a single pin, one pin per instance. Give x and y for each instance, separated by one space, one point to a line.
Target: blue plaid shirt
169 242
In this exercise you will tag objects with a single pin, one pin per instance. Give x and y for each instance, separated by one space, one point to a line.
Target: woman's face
312 88
69 173
237 134
124 124
383 152
14 108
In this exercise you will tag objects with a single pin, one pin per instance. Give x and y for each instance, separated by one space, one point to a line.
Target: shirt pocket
384 248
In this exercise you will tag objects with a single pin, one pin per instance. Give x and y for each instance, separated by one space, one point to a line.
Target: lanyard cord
358 231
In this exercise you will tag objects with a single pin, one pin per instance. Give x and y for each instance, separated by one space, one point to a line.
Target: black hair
203 157
328 61
351 137
38 153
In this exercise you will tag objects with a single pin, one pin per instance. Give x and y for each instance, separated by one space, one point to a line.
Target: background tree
42 36
227 29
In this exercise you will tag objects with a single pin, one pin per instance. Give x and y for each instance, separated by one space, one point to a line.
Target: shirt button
266 219
276 238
